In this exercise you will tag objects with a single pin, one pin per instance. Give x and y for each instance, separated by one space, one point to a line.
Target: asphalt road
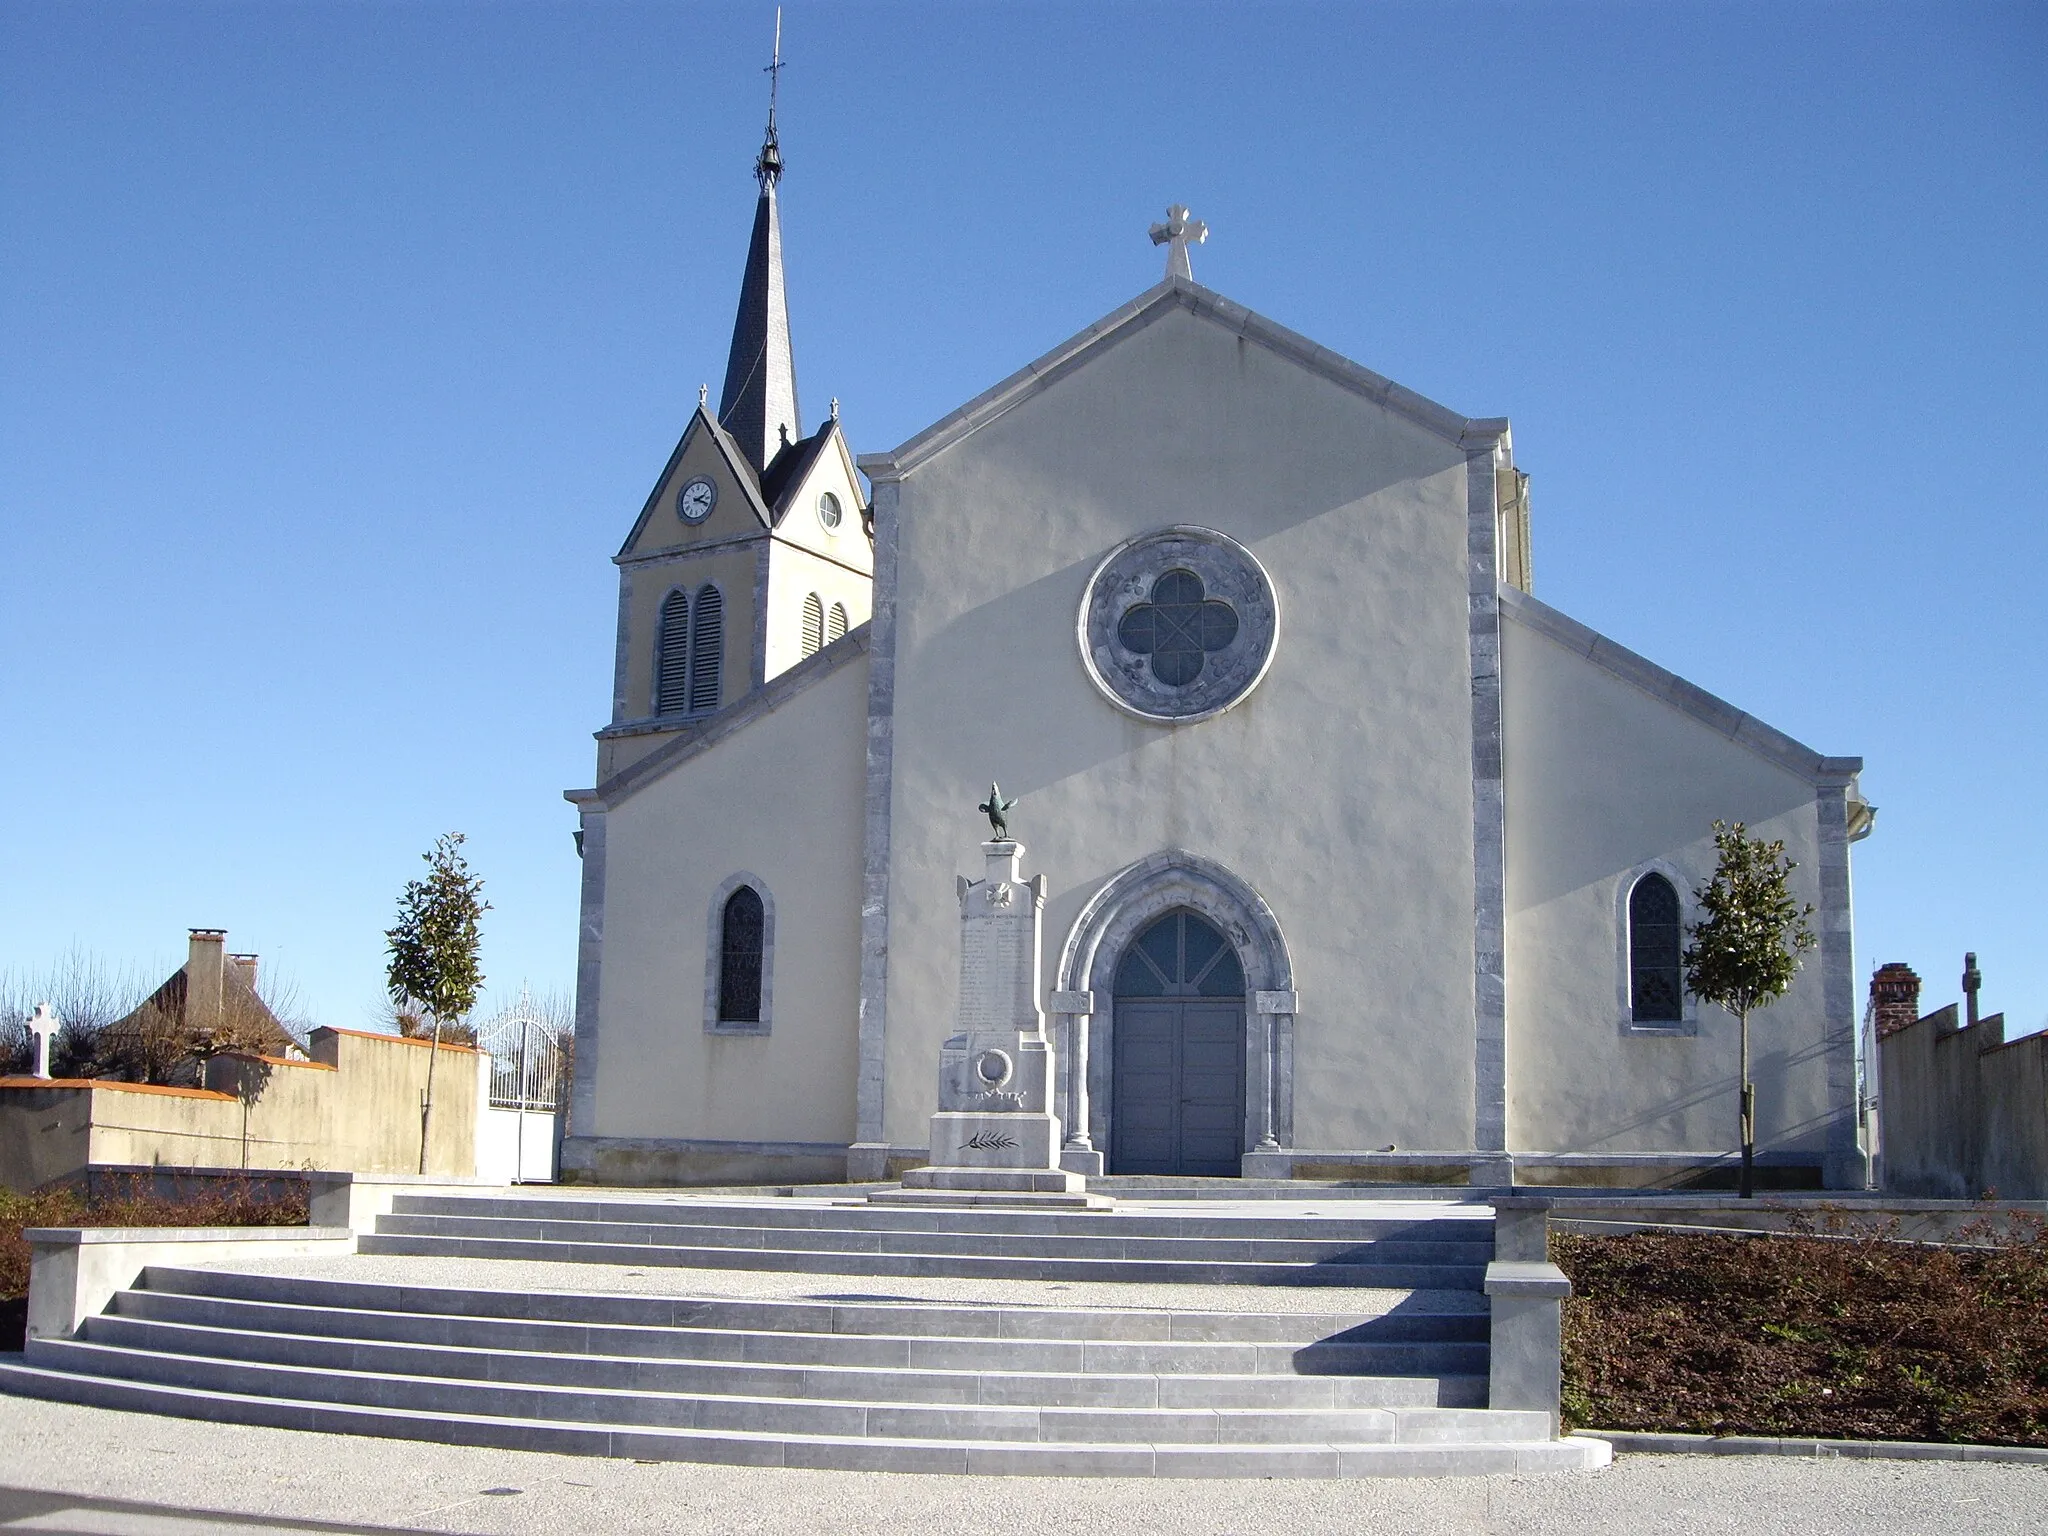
91 1470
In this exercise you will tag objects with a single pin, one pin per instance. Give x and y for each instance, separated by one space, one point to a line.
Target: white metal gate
519 1132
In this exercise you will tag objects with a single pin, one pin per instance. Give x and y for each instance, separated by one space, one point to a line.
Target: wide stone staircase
1388 1378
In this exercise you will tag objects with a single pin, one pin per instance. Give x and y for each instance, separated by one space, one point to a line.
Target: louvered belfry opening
672 656
1656 993
707 649
835 623
814 624
739 958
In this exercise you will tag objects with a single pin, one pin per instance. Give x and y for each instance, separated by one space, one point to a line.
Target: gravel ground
94 1471
530 1275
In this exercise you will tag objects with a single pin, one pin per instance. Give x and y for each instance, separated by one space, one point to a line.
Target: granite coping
1652 1442
90 1236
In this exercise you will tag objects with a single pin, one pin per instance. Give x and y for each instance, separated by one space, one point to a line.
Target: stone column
1079 1154
1272 1018
1526 1293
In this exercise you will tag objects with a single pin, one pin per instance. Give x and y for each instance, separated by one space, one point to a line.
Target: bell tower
752 552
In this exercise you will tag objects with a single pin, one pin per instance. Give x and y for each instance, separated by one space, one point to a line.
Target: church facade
1358 860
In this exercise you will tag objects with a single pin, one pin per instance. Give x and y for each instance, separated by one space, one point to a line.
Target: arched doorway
1177 1080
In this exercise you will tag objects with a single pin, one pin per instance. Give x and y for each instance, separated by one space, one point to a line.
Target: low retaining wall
641 1161
75 1271
1917 1220
355 1104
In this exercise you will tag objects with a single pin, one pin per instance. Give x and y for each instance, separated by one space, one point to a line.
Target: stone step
1334 1272
1420 1316
787 1416
848 1453
1345 1354
741 1378
1433 1225
1107 1243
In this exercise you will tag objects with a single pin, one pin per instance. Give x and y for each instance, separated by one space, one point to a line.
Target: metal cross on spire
1177 234
768 165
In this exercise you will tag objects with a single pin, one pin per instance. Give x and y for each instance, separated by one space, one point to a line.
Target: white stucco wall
805 556
1603 782
780 799
1340 790
793 572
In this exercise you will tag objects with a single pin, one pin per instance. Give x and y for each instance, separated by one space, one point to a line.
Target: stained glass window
1178 627
739 959
1656 989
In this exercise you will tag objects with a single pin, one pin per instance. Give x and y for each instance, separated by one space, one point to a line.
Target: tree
1745 951
433 949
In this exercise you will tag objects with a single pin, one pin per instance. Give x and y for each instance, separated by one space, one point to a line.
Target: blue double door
1177 1083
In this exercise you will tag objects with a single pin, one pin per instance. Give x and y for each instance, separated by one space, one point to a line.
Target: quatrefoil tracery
1177 627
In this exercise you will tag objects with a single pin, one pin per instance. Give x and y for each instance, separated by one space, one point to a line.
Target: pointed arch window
1656 987
739 968
814 624
672 656
707 648
739 959
835 623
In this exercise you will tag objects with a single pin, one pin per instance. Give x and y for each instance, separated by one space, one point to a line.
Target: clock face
694 501
829 511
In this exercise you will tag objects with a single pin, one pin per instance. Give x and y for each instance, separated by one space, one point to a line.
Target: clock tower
751 554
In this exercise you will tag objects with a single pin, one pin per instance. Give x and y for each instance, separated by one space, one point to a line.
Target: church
1357 860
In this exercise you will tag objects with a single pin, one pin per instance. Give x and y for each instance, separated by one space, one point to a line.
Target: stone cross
43 1025
1972 980
1177 234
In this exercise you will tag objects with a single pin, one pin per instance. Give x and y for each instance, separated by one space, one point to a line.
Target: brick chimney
205 977
1895 994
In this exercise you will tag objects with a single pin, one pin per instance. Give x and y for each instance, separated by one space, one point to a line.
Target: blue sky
341 343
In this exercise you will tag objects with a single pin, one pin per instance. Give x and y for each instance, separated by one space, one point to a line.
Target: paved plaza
93 1470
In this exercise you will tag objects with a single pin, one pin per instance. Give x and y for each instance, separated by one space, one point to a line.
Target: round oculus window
829 511
1178 625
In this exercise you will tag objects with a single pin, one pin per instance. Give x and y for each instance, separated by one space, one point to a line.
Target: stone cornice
1465 433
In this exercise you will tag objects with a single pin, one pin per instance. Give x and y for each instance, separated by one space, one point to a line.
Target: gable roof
792 466
742 472
1745 730
1205 303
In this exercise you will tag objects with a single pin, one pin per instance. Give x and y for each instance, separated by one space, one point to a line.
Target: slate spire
758 406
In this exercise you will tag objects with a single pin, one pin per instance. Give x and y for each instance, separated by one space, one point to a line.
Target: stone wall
355 1107
1963 1110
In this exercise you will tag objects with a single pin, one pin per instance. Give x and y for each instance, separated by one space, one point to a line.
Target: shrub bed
126 1203
1846 1334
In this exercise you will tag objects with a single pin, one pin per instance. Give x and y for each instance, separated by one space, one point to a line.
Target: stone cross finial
703 394
1177 234
1972 980
43 1025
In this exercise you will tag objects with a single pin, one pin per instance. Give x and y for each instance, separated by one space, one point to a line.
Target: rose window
1178 625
